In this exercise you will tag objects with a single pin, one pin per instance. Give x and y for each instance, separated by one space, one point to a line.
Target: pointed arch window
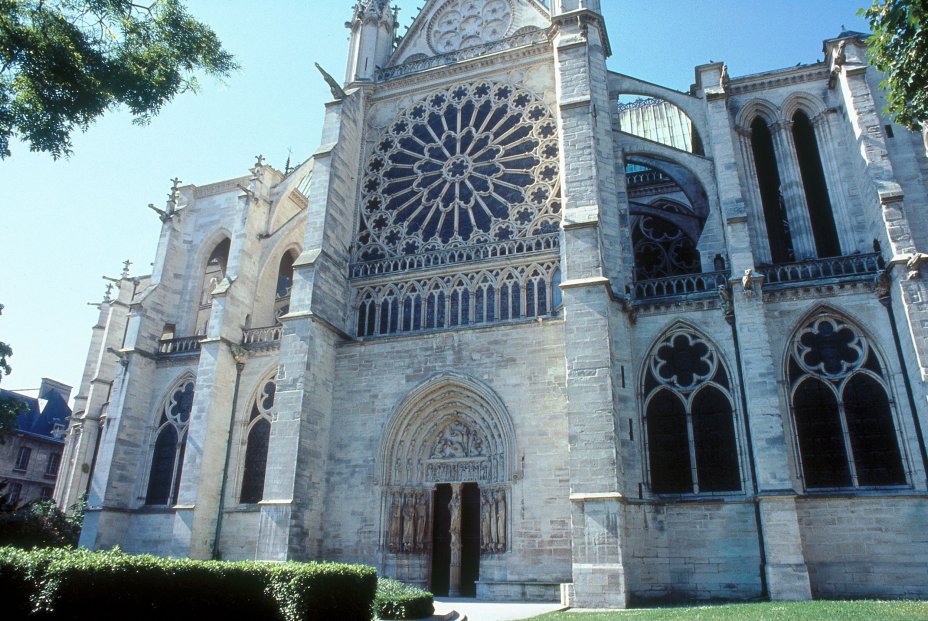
689 418
821 216
841 406
768 180
214 272
258 435
284 285
167 457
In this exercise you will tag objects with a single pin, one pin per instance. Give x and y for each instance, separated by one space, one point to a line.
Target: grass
863 610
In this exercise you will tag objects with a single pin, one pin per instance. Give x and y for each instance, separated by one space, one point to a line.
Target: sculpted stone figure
409 520
487 515
500 520
395 519
422 512
455 507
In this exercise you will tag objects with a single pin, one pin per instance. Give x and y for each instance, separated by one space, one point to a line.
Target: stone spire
373 29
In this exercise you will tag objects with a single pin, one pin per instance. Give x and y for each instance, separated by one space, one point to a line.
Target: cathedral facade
526 328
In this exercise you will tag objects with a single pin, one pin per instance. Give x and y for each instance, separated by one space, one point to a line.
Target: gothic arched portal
447 460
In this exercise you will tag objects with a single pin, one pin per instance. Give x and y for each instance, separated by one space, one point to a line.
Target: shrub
40 524
78 584
396 600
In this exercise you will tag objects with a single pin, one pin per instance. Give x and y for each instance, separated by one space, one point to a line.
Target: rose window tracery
465 23
683 361
829 347
476 163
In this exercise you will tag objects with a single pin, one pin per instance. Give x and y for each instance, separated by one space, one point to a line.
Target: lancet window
842 409
170 440
689 418
284 285
821 216
257 438
213 273
768 179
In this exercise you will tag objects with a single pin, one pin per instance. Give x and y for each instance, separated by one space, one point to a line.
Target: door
441 540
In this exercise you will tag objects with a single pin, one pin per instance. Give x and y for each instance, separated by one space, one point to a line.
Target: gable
446 26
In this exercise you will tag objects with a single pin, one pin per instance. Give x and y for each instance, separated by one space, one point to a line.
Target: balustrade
179 346
679 286
832 268
262 336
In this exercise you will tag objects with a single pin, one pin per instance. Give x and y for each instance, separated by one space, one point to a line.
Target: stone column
794 195
761 241
454 581
837 191
590 196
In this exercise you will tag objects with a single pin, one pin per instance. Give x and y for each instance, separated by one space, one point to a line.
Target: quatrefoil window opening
684 361
830 347
476 163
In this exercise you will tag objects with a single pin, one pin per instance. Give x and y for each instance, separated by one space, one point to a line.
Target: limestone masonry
526 328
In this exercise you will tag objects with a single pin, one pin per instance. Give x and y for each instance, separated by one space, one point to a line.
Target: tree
9 408
899 48
63 63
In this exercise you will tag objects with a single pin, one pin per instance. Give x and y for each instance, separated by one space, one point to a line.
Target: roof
46 418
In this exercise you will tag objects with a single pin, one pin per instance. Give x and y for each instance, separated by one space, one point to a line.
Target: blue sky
64 224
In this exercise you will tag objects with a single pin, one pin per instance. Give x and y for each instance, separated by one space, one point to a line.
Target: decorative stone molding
449 429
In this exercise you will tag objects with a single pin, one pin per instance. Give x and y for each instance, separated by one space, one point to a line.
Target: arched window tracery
665 229
689 418
257 439
170 440
842 411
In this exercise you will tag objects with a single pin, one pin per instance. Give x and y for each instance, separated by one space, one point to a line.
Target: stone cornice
778 79
508 58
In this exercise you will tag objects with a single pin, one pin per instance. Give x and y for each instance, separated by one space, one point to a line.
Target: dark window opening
821 442
255 462
714 438
816 190
668 445
768 180
162 467
872 433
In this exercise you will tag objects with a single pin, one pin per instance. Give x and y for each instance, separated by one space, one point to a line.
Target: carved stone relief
493 512
409 518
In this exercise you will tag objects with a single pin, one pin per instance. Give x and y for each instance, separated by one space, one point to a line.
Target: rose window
465 23
476 163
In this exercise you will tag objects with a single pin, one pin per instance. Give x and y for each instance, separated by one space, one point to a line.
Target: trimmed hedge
396 600
78 584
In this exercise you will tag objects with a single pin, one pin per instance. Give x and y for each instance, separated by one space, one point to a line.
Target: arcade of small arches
469 299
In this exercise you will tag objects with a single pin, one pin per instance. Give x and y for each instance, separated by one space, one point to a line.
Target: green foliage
40 524
899 48
63 63
765 611
396 600
79 584
10 408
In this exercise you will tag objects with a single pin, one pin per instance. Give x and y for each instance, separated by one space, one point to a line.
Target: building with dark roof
30 455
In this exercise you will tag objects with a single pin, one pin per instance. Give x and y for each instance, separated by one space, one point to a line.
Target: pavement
477 610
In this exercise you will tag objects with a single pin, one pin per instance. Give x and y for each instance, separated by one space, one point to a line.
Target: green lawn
765 611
